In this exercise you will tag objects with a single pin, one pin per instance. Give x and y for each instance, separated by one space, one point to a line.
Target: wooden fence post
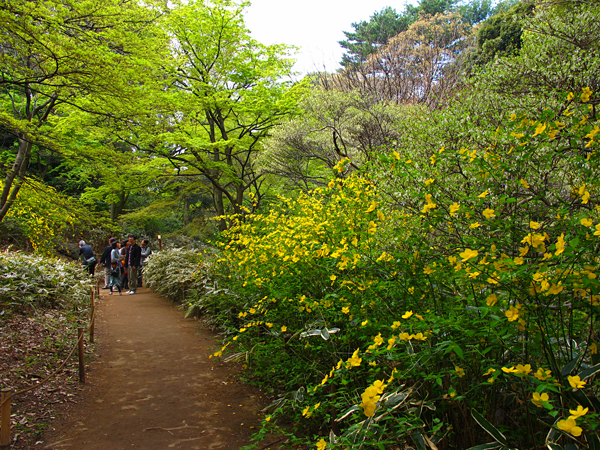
5 400
81 355
92 317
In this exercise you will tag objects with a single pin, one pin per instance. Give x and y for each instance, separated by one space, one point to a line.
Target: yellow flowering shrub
383 281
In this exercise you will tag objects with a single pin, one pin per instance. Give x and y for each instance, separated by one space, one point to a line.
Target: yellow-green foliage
45 215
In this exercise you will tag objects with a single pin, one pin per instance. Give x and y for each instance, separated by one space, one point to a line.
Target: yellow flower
268 419
428 182
523 369
577 413
542 374
539 399
428 270
593 348
534 225
371 207
512 314
533 239
407 314
509 369
460 372
468 254
491 300
364 323
576 382
555 289
524 183
570 426
391 342
586 222
378 339
593 133
283 329
570 96
332 277
484 194
519 261
540 129
585 95
321 445
453 208
346 309
395 325
488 213
560 244
354 361
489 372
474 225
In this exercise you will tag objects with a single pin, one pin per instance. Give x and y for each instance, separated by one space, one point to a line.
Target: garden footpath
154 386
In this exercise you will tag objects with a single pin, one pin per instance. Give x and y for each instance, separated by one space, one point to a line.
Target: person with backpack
115 276
89 258
105 260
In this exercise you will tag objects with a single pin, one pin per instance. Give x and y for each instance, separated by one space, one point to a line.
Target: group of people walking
123 263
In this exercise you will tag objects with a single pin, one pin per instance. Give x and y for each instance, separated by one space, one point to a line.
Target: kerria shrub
451 302
32 282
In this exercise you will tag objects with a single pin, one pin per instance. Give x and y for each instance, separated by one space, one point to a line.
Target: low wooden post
5 400
81 355
159 243
92 317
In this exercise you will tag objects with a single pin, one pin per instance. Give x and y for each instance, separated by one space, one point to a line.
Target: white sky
314 25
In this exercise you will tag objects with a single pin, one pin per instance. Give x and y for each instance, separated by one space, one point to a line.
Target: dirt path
154 386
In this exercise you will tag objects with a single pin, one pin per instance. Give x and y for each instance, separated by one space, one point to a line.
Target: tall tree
369 35
227 95
415 66
60 56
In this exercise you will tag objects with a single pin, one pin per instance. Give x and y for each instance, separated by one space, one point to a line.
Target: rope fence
6 395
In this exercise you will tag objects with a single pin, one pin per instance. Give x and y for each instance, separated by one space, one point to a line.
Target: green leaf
488 427
589 372
488 446
593 442
458 351
569 367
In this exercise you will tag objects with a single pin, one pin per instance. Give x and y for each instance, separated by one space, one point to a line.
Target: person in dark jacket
145 249
105 261
132 262
87 252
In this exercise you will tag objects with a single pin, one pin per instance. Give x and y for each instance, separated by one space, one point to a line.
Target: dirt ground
154 386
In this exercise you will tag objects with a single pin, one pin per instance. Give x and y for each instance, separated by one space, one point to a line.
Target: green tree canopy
227 93
63 56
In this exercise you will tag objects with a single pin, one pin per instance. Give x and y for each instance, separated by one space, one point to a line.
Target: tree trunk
219 208
15 176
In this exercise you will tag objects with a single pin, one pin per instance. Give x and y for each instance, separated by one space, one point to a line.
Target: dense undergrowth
30 283
446 302
43 300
